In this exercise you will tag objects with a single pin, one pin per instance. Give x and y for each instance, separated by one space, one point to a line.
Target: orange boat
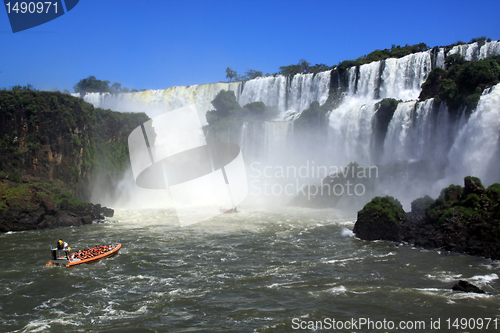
86 256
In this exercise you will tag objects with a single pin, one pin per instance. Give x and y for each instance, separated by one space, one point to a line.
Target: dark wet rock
467 287
87 219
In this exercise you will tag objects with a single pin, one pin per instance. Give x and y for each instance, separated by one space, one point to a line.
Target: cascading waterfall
398 133
477 141
290 98
272 91
293 96
276 137
368 80
472 52
155 102
307 88
350 134
417 130
391 78
402 78
267 141
440 58
489 49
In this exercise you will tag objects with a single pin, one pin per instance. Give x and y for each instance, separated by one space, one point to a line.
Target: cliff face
46 135
53 136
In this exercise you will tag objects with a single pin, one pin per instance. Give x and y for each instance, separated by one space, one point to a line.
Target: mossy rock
451 193
473 185
381 218
493 192
418 206
224 102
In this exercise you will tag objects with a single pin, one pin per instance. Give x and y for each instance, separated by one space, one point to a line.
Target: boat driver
64 246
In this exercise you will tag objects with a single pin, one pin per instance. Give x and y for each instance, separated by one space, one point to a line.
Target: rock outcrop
463 219
30 207
382 218
467 287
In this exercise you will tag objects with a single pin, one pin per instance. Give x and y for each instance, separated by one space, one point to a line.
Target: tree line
304 67
92 84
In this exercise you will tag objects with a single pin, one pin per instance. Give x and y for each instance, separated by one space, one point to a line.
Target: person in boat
235 210
62 246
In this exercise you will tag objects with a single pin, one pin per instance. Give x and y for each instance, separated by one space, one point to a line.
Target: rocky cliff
48 137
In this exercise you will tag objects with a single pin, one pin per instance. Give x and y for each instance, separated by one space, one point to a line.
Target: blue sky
157 44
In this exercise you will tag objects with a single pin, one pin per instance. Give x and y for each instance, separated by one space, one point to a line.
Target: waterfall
295 95
270 90
368 80
402 78
307 88
391 78
418 131
472 52
290 97
276 136
440 58
350 134
455 145
398 133
489 49
265 140
477 140
155 102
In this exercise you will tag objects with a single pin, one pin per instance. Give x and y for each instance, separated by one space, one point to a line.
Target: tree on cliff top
230 74
91 84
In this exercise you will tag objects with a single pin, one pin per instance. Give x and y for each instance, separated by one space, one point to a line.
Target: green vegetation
111 156
464 203
377 55
228 109
91 84
387 207
27 87
252 74
430 88
463 82
314 117
230 74
419 205
249 75
54 135
54 190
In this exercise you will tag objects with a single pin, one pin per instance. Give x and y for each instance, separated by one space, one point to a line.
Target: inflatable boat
84 256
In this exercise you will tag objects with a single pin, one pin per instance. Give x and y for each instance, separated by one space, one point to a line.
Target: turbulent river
260 270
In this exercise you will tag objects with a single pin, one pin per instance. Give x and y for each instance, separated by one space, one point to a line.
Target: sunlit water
253 271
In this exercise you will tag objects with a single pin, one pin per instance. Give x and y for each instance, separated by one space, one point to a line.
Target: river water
260 270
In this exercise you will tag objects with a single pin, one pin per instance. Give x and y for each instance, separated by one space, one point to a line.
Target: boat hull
74 262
